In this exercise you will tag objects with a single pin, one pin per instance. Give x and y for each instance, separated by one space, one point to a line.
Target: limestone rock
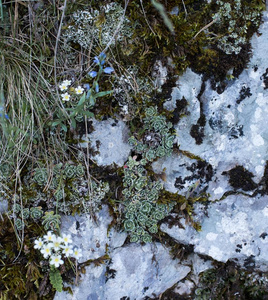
110 140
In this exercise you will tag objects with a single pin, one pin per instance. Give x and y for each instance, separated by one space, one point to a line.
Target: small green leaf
92 101
161 9
73 114
55 123
88 114
73 123
82 100
64 127
102 94
56 279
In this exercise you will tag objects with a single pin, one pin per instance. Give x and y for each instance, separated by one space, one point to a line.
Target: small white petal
79 90
63 87
77 253
67 82
56 260
66 238
65 97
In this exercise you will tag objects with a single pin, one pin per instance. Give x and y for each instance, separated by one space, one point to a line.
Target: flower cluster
64 86
56 247
80 100
99 61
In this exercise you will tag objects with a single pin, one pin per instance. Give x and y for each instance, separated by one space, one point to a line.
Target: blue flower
108 70
96 60
92 74
86 86
6 116
100 60
102 57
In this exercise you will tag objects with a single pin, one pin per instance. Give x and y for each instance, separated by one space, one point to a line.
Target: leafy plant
51 221
157 139
141 193
76 107
41 176
56 279
55 248
36 212
23 216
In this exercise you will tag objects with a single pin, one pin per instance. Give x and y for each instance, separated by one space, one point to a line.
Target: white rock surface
139 271
235 134
234 228
236 131
109 139
143 271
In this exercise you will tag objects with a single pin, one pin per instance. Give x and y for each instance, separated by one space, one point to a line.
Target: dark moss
184 207
243 94
264 181
81 128
228 281
20 271
202 172
240 178
264 235
264 78
179 110
110 273
198 130
169 294
249 263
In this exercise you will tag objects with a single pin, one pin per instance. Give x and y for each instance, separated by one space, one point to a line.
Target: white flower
64 85
65 97
77 253
79 90
67 82
56 260
67 250
56 243
38 243
49 237
46 250
66 238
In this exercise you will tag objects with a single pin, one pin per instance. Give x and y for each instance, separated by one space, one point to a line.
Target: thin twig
204 28
184 9
146 18
56 51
